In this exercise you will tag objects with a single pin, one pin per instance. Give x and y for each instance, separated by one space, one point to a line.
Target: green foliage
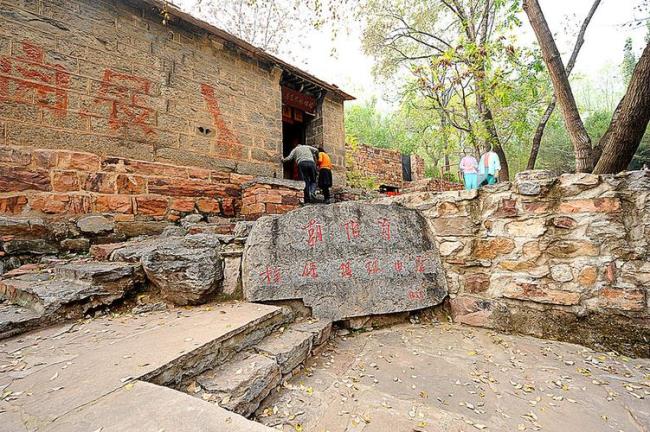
629 61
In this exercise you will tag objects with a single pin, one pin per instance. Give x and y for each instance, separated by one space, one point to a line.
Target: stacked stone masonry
567 257
90 87
384 165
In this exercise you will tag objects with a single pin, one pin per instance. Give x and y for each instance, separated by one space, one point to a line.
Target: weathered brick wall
334 136
565 258
383 165
62 183
432 185
105 77
270 196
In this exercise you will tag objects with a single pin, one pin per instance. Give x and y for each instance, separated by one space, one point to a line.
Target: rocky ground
441 377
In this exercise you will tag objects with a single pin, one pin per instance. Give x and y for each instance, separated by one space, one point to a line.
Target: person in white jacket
489 166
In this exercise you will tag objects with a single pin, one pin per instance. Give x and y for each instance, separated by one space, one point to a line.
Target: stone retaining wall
60 183
270 196
565 258
383 165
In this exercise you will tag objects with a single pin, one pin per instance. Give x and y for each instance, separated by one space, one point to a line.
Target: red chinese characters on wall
372 266
271 276
227 143
416 295
122 93
399 266
310 270
384 226
314 232
31 76
419 264
352 229
346 269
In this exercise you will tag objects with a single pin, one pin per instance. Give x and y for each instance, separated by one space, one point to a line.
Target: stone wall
263 196
182 112
61 183
384 166
565 258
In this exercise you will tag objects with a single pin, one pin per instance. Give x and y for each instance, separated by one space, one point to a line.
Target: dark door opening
294 132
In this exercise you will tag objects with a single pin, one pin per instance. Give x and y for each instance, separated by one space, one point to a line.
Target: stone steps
241 384
66 291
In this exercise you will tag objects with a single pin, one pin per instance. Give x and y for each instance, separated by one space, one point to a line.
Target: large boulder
187 270
345 260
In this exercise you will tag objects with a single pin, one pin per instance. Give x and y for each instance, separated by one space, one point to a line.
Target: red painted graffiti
346 269
310 270
314 232
352 229
399 266
420 263
123 94
47 83
416 295
271 276
384 225
226 139
372 266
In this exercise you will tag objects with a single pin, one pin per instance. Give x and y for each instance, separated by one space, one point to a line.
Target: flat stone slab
16 319
58 370
289 348
145 407
440 378
242 383
320 328
345 260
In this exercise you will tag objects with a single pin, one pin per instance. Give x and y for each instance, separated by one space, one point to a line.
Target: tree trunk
539 132
561 87
493 136
629 121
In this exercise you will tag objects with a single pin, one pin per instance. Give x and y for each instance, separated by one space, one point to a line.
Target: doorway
294 131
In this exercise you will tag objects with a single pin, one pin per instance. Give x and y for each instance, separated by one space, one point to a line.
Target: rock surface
344 260
187 270
95 224
289 348
241 384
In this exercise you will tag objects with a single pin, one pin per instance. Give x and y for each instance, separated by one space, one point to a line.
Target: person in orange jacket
324 173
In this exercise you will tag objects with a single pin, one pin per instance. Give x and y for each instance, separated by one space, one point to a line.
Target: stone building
106 110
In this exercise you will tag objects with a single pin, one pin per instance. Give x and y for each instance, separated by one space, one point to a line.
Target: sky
599 58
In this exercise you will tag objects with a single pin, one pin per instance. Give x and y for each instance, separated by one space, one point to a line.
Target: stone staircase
245 380
43 296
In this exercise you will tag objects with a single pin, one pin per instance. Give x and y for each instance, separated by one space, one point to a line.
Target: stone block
241 384
564 222
345 260
450 247
320 328
561 273
490 248
527 228
150 205
572 248
185 205
130 184
113 204
474 283
68 160
183 187
29 247
535 291
12 204
289 348
626 299
453 226
596 205
17 156
95 224
16 179
588 276
139 228
208 205
65 181
99 182
75 245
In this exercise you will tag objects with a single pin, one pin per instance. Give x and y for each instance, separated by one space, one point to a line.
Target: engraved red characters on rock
384 225
271 276
346 269
314 232
420 264
372 266
47 83
352 229
310 270
399 266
